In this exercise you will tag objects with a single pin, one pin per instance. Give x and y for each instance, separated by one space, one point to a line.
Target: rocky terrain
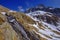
38 25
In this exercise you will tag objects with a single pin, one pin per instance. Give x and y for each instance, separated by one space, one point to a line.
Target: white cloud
21 9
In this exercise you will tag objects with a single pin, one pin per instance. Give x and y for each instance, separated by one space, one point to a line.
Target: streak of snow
48 15
33 25
12 20
32 17
41 35
58 27
50 26
3 13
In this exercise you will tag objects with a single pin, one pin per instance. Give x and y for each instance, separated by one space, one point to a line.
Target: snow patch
11 11
3 13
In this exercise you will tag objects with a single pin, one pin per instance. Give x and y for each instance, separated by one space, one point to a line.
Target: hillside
35 28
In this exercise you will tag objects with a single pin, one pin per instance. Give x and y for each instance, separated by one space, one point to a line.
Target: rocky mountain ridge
42 7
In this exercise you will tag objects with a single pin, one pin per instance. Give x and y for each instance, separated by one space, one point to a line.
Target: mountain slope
35 28
50 24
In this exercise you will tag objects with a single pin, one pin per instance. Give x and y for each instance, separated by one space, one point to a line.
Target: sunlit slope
36 30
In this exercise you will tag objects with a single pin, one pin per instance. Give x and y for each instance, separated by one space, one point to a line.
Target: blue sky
15 4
